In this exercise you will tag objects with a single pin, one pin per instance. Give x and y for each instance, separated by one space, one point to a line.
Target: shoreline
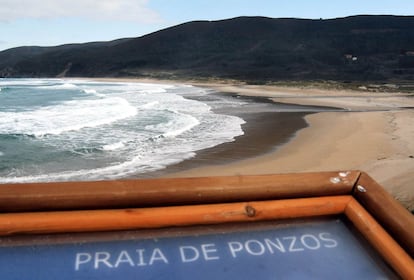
374 135
263 133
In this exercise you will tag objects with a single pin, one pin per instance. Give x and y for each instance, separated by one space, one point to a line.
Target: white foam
26 82
127 168
68 116
177 125
1 153
90 91
113 146
59 86
150 105
150 88
93 92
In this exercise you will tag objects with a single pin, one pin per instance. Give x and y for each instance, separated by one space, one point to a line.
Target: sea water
63 130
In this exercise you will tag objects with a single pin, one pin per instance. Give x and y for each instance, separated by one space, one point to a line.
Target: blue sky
55 22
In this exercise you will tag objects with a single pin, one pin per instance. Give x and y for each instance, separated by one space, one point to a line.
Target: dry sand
375 136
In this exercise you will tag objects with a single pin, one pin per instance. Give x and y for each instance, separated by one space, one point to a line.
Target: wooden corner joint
385 245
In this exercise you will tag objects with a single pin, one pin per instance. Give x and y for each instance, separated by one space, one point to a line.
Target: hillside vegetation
359 48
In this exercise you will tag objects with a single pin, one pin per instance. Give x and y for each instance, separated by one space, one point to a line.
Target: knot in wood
250 211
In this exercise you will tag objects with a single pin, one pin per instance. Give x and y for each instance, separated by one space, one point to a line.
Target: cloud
126 10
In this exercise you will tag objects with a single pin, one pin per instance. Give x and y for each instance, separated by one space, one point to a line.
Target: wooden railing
39 208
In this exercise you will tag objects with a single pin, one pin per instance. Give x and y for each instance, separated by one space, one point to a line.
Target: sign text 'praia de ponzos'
203 252
321 249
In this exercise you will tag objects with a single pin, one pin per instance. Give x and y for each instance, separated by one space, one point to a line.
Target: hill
358 48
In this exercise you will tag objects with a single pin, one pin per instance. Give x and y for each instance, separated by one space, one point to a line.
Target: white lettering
255 247
235 247
189 253
330 243
141 261
270 245
292 244
207 249
124 257
102 257
82 258
315 244
205 252
157 255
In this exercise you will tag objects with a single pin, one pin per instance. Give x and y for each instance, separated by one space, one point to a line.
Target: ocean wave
93 92
150 105
154 90
5 89
85 151
59 86
113 146
83 140
150 88
177 125
68 116
26 82
116 171
90 91
177 128
145 157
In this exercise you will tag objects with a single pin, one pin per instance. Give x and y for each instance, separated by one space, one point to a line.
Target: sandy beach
375 134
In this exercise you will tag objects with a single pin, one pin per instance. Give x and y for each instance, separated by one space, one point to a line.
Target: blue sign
322 250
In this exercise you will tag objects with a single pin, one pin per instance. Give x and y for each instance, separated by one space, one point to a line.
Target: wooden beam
173 191
385 245
397 220
130 219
